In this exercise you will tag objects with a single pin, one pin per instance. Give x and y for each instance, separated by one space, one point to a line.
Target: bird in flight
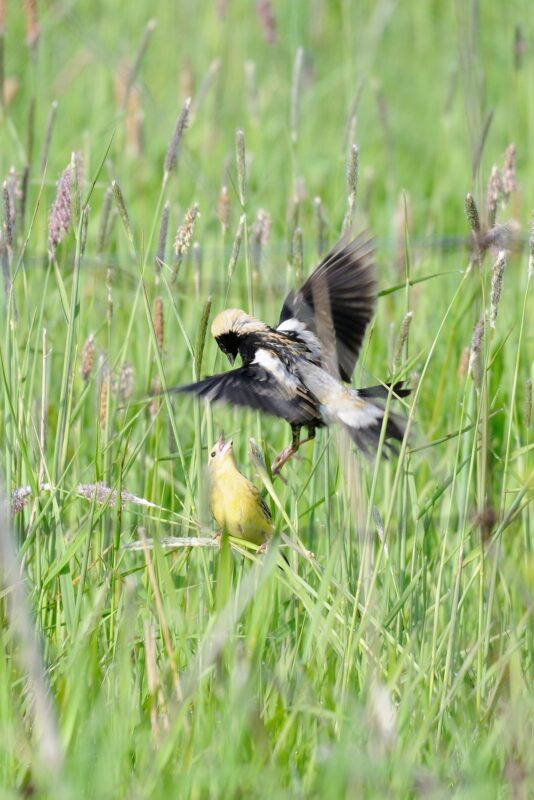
299 370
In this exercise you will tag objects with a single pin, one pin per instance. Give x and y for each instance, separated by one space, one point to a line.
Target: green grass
397 659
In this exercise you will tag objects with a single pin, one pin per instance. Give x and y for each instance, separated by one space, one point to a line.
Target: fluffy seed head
184 234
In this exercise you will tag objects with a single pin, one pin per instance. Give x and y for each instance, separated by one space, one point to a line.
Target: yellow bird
235 502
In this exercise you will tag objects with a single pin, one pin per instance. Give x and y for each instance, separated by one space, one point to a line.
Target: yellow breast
236 505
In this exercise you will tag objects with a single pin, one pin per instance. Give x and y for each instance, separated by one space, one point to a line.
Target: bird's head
230 327
221 453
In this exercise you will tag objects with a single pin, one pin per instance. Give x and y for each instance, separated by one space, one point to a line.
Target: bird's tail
362 414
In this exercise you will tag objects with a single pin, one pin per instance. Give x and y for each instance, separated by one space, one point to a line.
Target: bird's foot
262 548
282 458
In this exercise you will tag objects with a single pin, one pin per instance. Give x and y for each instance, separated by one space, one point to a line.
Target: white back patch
270 362
308 338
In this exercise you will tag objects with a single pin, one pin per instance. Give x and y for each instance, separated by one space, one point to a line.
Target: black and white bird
300 369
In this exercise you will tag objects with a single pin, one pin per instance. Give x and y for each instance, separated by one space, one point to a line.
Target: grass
393 655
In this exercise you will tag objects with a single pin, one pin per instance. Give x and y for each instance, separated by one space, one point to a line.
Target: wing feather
254 387
337 301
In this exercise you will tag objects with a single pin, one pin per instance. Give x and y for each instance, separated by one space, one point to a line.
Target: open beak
224 446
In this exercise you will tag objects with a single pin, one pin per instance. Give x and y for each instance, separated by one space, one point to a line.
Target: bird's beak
224 446
231 359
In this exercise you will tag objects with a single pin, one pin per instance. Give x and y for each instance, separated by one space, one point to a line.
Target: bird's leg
289 451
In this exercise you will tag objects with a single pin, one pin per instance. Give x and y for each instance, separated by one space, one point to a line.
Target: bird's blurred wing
253 386
337 302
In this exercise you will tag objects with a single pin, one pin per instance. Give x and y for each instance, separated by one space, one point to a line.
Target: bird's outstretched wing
255 387
337 301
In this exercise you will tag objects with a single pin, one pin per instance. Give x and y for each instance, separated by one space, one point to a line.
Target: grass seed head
530 273
497 276
223 208
495 191
162 238
126 383
401 341
32 24
267 21
471 212
19 498
60 213
236 247
475 354
297 255
240 157
103 398
105 221
123 211
296 89
509 175
88 357
463 363
159 322
9 222
184 235
173 151
527 407
320 226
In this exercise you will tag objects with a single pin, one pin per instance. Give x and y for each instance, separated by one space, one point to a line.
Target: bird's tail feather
367 437
398 389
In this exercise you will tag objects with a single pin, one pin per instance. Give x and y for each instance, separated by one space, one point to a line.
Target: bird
235 503
300 369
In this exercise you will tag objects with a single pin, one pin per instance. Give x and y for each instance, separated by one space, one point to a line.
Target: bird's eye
212 454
